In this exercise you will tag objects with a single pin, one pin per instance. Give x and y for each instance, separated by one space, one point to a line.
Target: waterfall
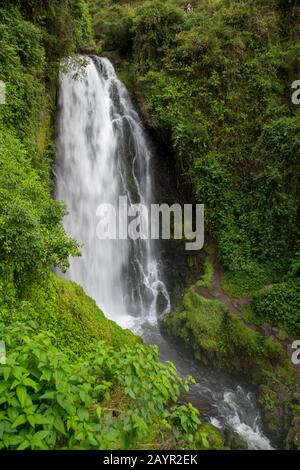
103 154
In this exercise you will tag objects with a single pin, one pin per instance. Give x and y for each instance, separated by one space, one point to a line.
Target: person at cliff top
189 8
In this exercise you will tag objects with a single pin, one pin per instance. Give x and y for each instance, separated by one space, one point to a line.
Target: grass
62 308
246 284
249 316
206 279
204 318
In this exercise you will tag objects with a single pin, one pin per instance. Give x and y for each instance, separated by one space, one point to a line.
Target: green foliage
112 26
34 36
31 235
62 308
245 283
61 388
21 68
222 339
209 437
218 84
280 306
50 401
294 271
154 25
206 279
32 238
218 336
185 418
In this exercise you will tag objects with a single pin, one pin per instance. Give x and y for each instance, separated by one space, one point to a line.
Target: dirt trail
216 292
236 306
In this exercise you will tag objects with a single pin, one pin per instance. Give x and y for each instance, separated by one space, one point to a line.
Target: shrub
32 238
216 83
50 401
112 26
154 27
207 278
280 306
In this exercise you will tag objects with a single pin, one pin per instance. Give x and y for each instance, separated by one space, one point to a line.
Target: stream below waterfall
103 153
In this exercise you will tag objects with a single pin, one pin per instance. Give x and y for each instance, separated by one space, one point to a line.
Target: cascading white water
103 154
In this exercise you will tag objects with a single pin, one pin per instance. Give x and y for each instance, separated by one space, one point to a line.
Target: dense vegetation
219 337
216 84
72 378
113 400
216 87
31 234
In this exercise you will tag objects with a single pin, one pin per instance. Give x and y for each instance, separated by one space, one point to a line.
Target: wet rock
233 441
275 330
296 396
297 439
296 422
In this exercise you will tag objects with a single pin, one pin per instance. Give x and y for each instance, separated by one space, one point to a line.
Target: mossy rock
220 338
234 442
214 438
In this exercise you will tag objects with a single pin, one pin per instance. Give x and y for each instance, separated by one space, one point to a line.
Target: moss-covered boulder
209 437
221 338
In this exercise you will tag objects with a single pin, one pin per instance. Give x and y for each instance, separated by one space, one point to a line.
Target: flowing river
103 153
